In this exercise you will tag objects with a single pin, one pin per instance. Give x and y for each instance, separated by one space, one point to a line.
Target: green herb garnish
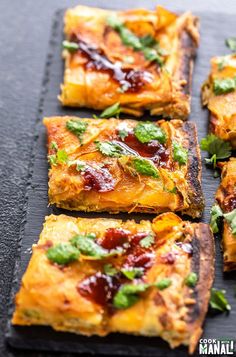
216 213
224 85
231 219
70 46
60 157
231 43
221 63
128 295
180 154
218 300
54 146
112 111
80 165
89 247
132 273
163 284
191 279
145 167
216 147
147 241
62 253
147 44
147 131
109 148
77 127
110 270
148 41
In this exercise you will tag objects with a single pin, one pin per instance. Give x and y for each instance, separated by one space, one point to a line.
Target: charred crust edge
194 171
188 49
203 264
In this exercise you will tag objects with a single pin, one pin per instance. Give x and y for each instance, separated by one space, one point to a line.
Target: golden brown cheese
222 107
112 183
226 198
79 296
104 70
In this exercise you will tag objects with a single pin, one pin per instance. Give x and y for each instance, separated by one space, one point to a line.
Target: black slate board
214 29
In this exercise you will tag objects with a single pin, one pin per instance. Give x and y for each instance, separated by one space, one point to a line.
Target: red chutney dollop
98 179
229 203
99 288
114 237
131 80
152 150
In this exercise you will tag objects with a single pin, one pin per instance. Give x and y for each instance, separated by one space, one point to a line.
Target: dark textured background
24 38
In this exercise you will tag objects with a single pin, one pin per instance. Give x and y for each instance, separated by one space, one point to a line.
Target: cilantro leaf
109 148
132 273
231 219
123 134
113 110
218 148
146 44
148 41
219 301
231 43
191 279
216 213
109 269
127 295
60 157
145 167
147 131
147 241
77 127
221 63
151 55
224 85
70 46
114 22
180 154
62 253
80 165
89 247
163 283
54 146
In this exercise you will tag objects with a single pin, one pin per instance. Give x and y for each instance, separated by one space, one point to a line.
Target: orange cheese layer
78 296
93 74
111 183
226 197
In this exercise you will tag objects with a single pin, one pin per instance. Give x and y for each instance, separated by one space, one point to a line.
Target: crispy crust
222 116
171 99
66 188
49 294
203 264
194 174
226 198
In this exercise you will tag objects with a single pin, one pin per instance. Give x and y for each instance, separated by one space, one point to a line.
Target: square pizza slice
138 58
226 208
124 165
219 95
97 276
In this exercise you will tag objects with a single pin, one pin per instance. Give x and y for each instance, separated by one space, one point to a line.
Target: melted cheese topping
49 293
131 191
161 92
